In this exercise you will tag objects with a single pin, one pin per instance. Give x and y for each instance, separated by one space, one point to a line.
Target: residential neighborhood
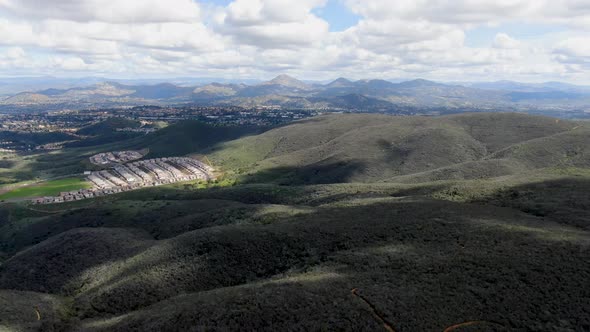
135 175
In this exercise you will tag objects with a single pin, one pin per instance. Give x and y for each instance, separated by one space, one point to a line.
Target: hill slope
369 148
423 223
108 126
239 264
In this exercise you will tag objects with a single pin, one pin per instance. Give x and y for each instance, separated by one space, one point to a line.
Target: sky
443 40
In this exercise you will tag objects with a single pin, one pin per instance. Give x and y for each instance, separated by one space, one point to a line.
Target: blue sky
335 12
524 40
338 15
482 36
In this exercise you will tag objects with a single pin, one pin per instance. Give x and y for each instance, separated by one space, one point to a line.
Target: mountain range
341 94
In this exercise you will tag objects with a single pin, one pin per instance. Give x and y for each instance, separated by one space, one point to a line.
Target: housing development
135 175
106 158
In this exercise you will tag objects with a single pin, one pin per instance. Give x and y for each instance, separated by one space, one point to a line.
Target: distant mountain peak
340 83
284 77
378 84
342 79
418 83
288 81
109 84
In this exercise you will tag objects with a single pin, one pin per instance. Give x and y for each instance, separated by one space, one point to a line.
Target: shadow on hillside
319 173
189 209
102 140
7 163
424 264
394 155
563 200
314 119
189 137
235 133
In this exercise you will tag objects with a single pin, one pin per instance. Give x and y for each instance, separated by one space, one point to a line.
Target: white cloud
14 53
402 38
465 12
575 53
126 11
576 47
503 40
273 23
249 12
70 64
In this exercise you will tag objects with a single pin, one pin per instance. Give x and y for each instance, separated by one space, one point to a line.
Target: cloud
127 11
402 38
575 47
13 53
575 52
466 12
274 23
256 12
504 41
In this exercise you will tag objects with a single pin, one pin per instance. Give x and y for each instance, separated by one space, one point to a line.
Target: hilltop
371 148
108 126
288 81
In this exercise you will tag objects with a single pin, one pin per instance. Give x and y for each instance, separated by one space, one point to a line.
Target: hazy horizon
207 80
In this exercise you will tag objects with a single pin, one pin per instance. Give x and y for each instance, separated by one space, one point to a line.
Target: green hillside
337 222
106 132
369 148
189 137
108 126
26 139
355 147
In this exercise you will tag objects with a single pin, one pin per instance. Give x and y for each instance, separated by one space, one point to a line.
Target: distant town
15 128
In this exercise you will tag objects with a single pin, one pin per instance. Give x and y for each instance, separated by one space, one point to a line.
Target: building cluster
144 130
218 115
117 157
139 174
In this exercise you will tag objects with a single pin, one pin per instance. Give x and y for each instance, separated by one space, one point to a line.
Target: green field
49 188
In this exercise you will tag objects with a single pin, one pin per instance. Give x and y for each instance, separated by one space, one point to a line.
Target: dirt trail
38 313
387 325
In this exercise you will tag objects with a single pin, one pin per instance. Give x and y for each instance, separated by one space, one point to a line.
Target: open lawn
49 188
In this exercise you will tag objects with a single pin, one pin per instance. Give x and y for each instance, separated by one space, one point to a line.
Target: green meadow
49 188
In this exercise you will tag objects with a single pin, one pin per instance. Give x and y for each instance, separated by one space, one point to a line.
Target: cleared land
48 188
433 221
115 157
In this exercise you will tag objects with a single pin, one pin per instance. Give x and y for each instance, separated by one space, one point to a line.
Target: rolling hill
341 222
370 148
108 126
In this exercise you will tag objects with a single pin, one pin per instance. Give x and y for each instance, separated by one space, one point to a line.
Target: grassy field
49 188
